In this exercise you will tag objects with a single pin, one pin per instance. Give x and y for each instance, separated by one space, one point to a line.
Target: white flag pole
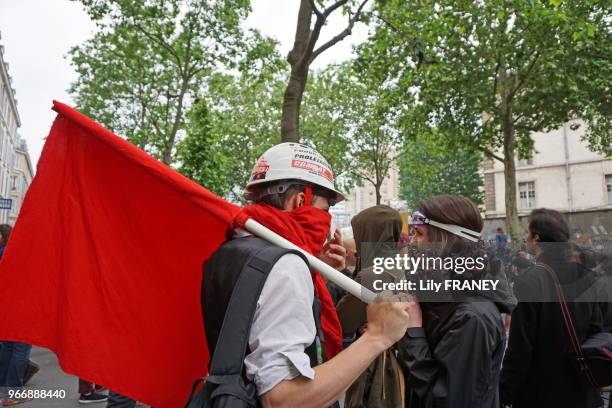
327 271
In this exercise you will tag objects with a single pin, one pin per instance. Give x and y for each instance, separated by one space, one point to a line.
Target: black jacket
536 372
457 364
455 360
604 297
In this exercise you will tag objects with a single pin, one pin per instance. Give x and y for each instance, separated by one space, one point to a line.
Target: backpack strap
225 369
569 325
228 357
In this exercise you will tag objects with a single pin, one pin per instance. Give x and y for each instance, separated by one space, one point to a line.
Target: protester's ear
301 199
296 201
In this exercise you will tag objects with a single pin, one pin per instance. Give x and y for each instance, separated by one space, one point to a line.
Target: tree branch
521 82
306 57
391 25
363 176
333 7
159 39
490 154
342 35
495 80
315 9
537 127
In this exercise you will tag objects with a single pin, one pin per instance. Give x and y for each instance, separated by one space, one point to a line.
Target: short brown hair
549 225
279 200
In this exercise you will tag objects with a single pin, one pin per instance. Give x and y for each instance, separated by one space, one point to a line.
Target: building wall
566 175
11 147
20 180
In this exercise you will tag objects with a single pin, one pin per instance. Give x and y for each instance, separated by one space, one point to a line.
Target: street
51 378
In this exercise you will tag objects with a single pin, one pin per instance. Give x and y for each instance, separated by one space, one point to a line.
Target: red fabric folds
104 264
306 227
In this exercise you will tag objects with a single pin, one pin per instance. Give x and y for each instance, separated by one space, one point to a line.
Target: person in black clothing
536 370
604 269
453 354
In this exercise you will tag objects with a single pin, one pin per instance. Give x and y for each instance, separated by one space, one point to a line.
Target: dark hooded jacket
375 229
536 370
455 360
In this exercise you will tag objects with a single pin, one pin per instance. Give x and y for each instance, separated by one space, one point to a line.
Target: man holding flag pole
292 188
106 282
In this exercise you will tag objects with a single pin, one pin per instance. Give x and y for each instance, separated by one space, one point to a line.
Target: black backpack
225 386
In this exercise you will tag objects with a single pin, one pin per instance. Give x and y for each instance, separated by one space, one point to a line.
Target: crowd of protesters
455 350
462 356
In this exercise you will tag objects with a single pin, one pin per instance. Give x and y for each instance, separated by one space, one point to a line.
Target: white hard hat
293 161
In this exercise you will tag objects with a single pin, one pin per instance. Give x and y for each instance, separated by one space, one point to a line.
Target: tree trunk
513 224
178 117
292 98
301 56
378 196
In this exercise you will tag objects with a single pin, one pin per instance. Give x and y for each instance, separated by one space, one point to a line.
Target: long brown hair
450 209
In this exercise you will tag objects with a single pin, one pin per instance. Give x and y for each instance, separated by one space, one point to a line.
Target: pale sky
37 34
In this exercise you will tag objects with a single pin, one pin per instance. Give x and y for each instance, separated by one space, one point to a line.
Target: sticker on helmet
310 155
313 168
260 170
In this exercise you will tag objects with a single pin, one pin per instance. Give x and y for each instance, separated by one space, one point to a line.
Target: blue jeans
14 359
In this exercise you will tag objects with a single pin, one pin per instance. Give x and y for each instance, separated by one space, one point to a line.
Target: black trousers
119 401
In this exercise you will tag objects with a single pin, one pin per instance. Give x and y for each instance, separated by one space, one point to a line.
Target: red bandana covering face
308 228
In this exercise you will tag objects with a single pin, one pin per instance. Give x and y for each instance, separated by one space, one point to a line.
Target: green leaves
354 124
244 111
197 153
140 72
428 167
471 56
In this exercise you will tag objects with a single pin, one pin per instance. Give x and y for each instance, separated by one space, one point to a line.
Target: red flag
104 264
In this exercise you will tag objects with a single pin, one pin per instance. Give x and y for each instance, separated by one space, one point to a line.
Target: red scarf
308 228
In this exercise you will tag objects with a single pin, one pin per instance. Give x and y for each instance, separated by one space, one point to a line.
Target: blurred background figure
351 254
14 356
536 360
500 237
5 232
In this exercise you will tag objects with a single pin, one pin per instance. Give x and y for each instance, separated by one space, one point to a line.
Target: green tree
428 168
141 71
235 121
491 73
198 154
353 124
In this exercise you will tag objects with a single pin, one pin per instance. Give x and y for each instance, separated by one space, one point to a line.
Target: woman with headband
453 349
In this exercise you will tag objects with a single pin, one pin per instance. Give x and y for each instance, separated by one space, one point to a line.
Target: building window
524 162
527 195
609 187
14 183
